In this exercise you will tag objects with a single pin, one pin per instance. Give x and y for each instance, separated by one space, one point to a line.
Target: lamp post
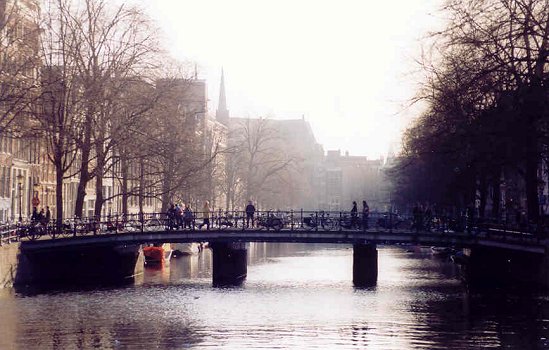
35 195
20 188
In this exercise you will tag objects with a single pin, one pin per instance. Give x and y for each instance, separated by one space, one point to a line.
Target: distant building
20 154
343 179
285 156
222 113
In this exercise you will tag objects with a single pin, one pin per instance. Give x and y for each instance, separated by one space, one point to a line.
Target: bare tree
487 96
19 45
258 159
111 45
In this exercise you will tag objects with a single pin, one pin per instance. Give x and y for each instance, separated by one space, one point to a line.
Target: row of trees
486 122
90 82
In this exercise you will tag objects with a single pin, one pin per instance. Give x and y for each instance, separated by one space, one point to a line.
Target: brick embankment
8 264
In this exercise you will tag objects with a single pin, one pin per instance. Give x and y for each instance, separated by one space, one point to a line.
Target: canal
295 296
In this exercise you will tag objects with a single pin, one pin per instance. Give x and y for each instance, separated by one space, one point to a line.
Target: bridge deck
504 240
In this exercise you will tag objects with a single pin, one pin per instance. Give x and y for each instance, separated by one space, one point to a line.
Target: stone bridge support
229 263
364 265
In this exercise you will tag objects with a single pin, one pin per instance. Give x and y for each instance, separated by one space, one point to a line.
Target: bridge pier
230 263
364 265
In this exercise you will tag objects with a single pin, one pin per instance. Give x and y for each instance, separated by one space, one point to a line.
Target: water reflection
184 269
295 296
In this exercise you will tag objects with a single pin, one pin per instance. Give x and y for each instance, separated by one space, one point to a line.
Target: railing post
340 221
391 219
292 219
301 225
316 219
268 218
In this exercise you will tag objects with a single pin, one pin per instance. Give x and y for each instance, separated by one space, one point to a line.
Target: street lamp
47 195
35 194
20 188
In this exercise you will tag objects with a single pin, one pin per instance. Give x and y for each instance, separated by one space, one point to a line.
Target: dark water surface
295 296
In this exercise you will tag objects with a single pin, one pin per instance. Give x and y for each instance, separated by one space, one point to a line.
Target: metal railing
9 233
271 220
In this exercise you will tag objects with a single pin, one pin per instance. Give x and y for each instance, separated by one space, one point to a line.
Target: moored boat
157 254
442 252
186 248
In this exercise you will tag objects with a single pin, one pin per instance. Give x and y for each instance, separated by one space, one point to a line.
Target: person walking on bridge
250 210
178 213
48 215
365 215
206 216
354 216
188 217
170 216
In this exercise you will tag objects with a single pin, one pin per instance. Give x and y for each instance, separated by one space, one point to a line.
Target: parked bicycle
270 221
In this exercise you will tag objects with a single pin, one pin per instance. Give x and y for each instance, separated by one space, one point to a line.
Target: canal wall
8 264
86 265
14 268
491 267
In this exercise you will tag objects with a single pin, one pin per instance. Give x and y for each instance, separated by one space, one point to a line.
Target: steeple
222 113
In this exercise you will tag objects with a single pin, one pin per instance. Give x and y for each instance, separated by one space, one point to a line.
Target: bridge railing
270 220
8 233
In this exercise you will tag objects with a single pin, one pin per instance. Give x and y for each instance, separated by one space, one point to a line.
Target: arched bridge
97 247
272 226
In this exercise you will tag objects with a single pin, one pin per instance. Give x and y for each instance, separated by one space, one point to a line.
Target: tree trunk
85 175
496 198
141 186
228 199
483 188
81 193
166 187
59 192
532 188
99 198
124 189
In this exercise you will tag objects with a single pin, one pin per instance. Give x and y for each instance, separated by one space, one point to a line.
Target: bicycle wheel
52 232
34 233
83 229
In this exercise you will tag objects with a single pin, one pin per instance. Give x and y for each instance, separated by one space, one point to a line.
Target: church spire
222 113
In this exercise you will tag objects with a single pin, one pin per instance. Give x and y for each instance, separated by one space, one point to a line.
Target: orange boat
157 254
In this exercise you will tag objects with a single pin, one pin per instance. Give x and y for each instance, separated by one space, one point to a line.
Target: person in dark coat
250 211
354 216
48 215
365 215
188 217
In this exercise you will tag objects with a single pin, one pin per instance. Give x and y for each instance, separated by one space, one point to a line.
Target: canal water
295 296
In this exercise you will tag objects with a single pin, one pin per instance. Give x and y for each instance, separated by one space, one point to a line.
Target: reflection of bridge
227 233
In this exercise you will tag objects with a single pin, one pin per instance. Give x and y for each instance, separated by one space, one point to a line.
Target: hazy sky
344 64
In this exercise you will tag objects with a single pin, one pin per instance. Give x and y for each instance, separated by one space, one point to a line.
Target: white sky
344 64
